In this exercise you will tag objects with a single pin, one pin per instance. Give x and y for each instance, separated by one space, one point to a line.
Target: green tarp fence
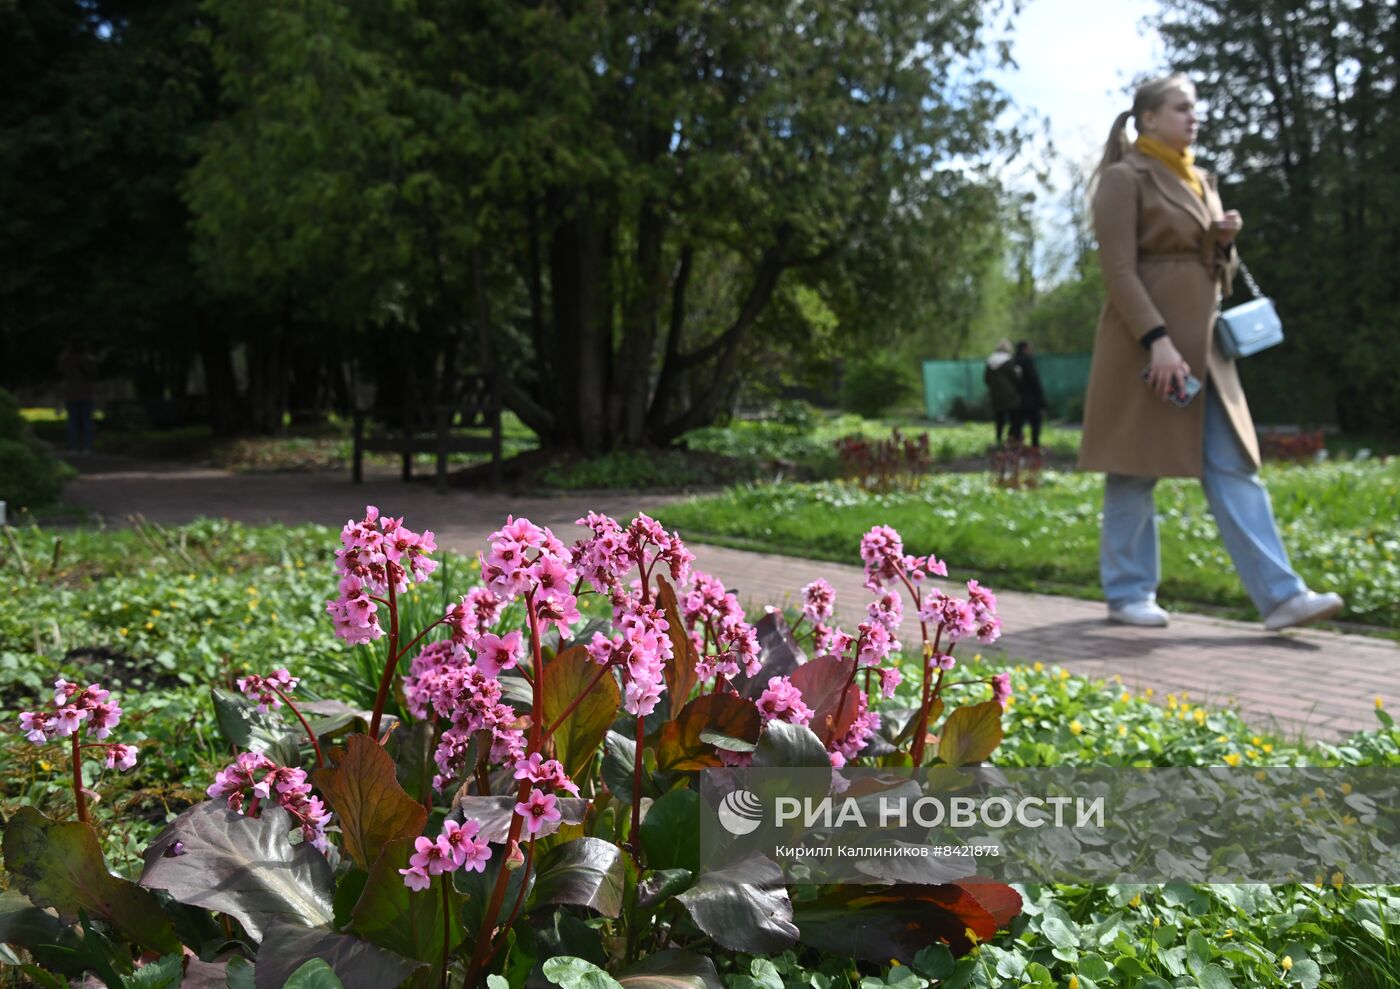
1063 376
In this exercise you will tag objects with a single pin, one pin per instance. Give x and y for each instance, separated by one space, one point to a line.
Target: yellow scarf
1178 161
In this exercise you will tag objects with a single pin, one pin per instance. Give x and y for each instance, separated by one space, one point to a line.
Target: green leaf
497 982
566 677
1058 933
970 734
243 725
671 832
576 973
407 922
240 974
662 884
358 964
1305 973
1214 977
60 865
1093 967
362 787
1198 952
315 974
785 746
935 961
619 765
39 932
243 866
585 872
673 969
163 974
743 907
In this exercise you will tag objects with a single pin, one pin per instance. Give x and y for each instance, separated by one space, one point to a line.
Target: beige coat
1162 266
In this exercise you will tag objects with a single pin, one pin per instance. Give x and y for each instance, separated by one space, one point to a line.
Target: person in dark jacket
1032 396
1003 387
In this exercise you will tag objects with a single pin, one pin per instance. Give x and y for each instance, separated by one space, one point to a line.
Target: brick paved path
1322 684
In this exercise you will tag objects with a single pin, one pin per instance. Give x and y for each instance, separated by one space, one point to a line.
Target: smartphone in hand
1181 398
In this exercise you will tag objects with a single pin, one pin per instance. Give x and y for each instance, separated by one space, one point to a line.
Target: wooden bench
433 430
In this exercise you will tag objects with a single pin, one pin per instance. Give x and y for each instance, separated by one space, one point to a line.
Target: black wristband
1152 336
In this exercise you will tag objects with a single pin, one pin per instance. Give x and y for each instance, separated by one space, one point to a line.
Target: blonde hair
1148 97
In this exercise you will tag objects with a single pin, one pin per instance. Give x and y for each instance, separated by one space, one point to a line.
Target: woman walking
1167 252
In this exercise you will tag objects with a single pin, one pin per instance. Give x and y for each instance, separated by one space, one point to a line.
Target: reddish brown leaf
681 677
878 923
822 682
681 747
577 738
363 790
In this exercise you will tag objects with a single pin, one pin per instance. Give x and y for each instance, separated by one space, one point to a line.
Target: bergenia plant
532 749
77 713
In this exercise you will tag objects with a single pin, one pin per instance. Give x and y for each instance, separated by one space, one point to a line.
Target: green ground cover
1340 521
161 615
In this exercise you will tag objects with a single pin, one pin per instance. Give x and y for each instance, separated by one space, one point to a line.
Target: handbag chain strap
1254 288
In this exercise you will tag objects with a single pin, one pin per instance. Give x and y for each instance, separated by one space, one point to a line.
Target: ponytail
1115 147
1149 96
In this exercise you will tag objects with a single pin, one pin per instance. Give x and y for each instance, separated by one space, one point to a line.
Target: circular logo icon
741 812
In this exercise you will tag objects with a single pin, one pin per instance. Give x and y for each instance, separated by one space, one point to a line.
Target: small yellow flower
1149 693
1171 701
1317 880
1267 747
1200 715
1256 740
1379 703
1125 697
45 765
1223 738
1346 789
1261 776
1136 901
1064 674
1185 697
150 625
1156 921
1122 730
977 658
1229 932
1034 698
1073 982
1286 963
1251 753
971 935
1306 801
1117 678
1319 794
1348 820
1232 759
252 590
123 631
1039 667
155 612
1075 727
1337 880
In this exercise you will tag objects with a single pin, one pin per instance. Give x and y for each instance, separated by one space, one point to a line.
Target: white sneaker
1145 614
1303 609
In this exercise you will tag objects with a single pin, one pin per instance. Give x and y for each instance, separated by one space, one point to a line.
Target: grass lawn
1340 521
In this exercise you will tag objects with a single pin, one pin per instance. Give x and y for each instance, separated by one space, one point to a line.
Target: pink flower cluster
958 619
1001 689
606 558
857 737
444 678
782 701
256 773
458 847
74 707
717 619
818 601
642 651
265 689
378 553
882 551
473 615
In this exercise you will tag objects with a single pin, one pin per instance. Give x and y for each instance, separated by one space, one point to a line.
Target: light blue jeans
1130 564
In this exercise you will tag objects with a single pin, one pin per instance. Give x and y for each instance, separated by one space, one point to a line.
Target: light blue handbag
1250 327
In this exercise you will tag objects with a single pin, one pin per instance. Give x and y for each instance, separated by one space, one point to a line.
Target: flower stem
446 928
79 797
635 838
387 678
320 760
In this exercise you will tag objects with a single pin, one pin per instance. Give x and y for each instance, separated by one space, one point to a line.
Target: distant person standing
79 369
1032 396
1000 377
